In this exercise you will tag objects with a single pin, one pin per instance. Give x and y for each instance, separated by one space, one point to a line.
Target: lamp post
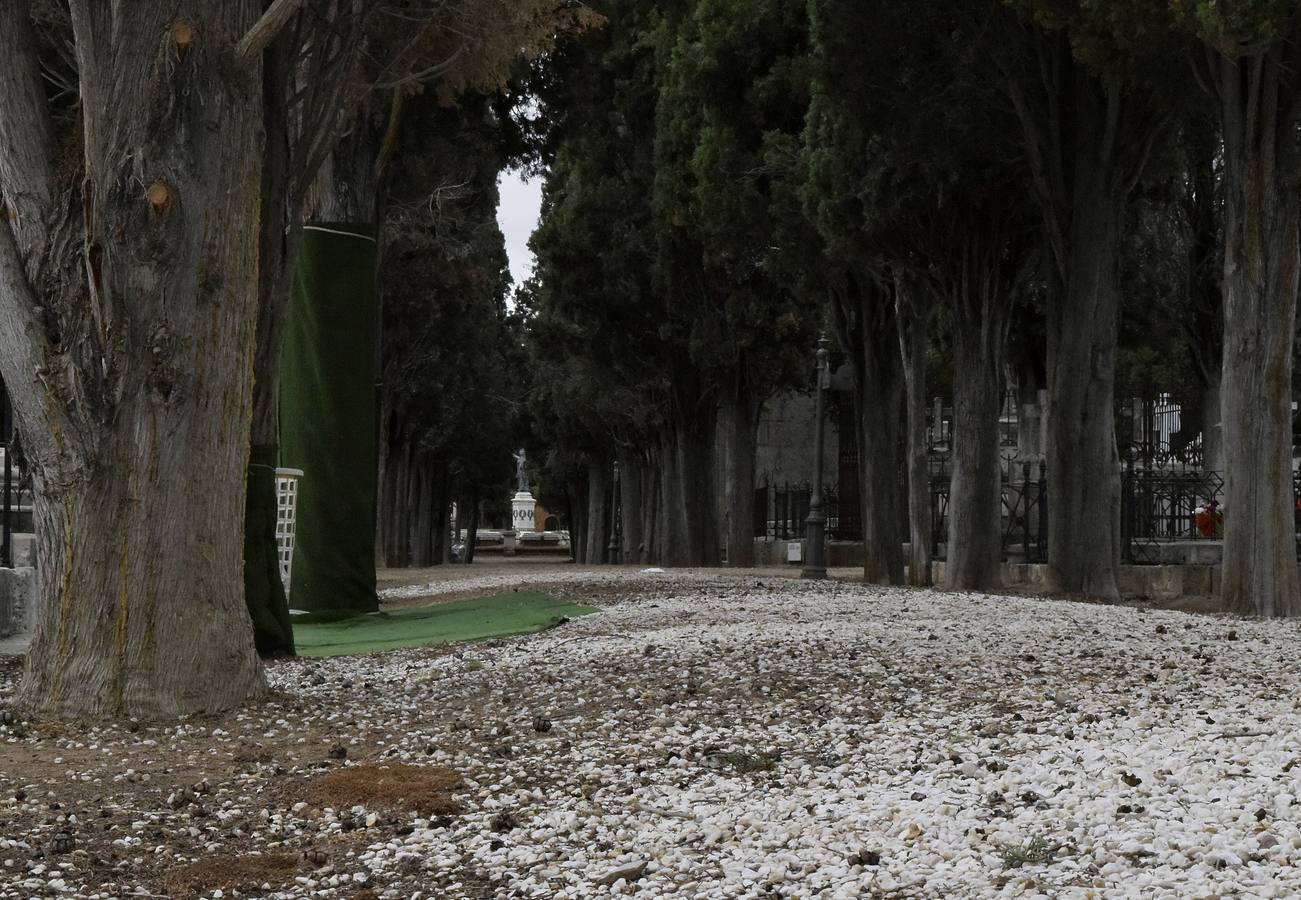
815 526
614 548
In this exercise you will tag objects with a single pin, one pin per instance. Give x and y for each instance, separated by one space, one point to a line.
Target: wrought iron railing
1159 506
1024 515
781 509
1160 431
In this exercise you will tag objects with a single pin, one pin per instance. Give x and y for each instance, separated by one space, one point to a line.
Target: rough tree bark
912 320
1260 108
131 377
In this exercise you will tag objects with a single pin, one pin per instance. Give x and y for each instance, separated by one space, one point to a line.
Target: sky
521 202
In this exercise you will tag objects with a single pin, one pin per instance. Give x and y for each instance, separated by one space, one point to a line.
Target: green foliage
1244 27
1124 41
1033 852
448 371
736 83
906 135
745 763
596 331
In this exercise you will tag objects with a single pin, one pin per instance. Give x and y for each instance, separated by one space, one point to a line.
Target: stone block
844 554
23 548
1168 582
1021 574
1192 553
17 600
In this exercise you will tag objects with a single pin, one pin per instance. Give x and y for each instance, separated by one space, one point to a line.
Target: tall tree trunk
578 521
739 416
471 527
140 489
264 591
1087 142
633 517
975 548
1262 258
598 491
696 496
298 130
402 504
278 237
652 537
421 521
395 452
441 513
1083 465
669 526
863 318
880 424
912 319
1212 425
1205 294
988 258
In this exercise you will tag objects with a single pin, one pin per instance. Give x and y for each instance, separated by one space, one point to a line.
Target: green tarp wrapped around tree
328 418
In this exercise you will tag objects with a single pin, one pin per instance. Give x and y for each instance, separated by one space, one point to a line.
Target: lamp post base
815 529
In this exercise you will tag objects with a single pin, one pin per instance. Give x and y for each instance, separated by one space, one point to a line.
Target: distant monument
521 473
523 507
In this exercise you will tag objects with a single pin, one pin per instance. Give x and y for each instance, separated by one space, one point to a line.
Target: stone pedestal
522 511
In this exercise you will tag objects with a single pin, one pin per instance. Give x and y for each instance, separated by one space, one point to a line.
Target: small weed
473 665
746 763
1031 852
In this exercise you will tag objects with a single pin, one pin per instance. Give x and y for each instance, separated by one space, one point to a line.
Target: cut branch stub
160 198
183 35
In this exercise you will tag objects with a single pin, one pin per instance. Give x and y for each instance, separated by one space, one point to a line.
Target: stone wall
784 442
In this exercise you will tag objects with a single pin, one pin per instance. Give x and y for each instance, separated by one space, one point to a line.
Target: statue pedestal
522 510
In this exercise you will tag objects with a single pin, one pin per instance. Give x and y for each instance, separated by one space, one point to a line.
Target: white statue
521 477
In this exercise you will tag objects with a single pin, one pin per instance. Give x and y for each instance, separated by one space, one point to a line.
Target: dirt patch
238 873
424 790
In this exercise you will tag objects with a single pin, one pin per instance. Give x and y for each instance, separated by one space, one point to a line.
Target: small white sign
795 552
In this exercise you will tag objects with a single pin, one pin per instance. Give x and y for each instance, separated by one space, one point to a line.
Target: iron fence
1024 508
1160 431
1163 480
780 511
1159 506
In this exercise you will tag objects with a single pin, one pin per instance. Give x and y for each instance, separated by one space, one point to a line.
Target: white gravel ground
720 737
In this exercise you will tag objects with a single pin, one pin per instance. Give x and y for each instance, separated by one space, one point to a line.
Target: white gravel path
723 737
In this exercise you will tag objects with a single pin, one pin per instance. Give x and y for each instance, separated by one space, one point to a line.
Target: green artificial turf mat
328 634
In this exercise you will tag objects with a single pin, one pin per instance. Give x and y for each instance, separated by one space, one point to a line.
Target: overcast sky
521 201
